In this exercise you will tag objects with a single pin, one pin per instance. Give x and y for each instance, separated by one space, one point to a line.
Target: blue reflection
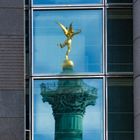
86 52
48 2
44 125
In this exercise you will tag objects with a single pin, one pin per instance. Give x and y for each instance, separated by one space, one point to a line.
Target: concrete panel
137 128
11 70
137 96
11 62
11 103
136 59
11 21
134 1
136 52
11 129
11 3
136 17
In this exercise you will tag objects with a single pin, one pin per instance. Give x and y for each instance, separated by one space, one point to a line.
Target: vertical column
69 102
68 126
11 70
136 23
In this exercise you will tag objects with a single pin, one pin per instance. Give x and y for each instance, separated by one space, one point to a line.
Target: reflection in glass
120 37
120 109
44 123
86 47
49 2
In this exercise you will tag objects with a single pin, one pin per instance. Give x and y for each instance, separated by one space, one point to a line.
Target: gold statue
69 33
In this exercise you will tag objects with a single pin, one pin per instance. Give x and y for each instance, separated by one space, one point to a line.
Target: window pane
86 51
120 109
48 2
120 38
45 120
26 2
119 1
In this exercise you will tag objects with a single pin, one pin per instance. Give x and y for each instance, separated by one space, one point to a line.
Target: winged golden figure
69 33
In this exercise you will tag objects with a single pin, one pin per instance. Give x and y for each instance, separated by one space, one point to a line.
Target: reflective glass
120 109
26 2
120 41
119 1
49 2
86 50
44 117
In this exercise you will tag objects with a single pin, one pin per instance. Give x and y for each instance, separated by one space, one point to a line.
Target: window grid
104 75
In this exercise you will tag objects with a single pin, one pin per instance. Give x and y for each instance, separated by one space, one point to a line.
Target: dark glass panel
26 2
121 136
118 101
119 1
120 121
120 41
120 108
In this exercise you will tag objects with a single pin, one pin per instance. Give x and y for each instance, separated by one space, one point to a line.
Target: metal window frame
87 76
68 8
92 78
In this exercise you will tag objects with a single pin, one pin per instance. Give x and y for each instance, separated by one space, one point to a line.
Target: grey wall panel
134 1
136 17
137 128
11 62
11 3
11 128
11 21
11 103
136 52
11 70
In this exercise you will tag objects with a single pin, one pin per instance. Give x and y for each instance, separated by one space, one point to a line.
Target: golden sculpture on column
69 33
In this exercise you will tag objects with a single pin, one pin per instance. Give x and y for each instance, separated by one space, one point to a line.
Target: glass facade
92 100
60 2
44 122
86 49
120 108
119 1
120 40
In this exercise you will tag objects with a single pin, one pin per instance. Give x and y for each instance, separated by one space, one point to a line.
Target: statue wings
65 30
68 30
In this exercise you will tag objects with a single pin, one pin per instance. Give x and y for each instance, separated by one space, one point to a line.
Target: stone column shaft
68 127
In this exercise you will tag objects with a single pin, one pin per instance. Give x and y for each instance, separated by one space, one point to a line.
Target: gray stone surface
136 58
11 128
11 70
136 17
11 3
137 128
137 96
11 21
134 1
11 103
11 62
136 52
